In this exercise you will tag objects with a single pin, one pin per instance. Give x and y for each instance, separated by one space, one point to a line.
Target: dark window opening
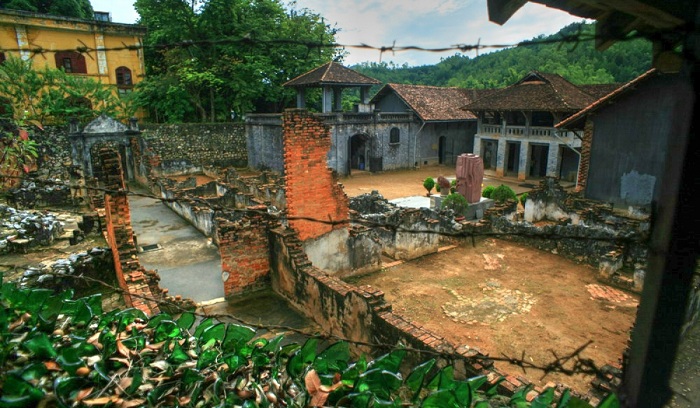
71 62
492 118
2 57
394 135
544 119
124 77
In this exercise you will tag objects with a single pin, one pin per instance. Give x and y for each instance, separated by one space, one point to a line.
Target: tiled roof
599 90
610 97
332 73
433 103
537 91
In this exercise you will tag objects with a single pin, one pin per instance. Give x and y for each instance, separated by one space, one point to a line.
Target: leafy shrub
503 193
523 198
54 348
429 183
488 191
455 202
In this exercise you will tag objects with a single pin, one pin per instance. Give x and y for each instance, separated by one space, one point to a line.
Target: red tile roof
611 96
537 91
332 73
434 103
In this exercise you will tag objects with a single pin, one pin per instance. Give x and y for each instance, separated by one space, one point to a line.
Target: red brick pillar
311 188
245 254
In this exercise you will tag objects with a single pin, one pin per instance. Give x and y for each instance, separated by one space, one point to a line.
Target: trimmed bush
455 202
503 193
488 191
429 183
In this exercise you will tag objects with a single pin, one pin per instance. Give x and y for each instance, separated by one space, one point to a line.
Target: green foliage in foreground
57 351
487 191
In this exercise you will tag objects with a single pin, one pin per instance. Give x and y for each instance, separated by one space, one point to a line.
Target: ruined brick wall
312 189
186 148
586 144
245 251
137 283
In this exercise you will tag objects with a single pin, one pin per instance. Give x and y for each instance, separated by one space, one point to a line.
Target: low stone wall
345 252
361 314
583 230
189 147
403 233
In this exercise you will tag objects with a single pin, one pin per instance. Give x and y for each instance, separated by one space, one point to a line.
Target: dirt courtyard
503 298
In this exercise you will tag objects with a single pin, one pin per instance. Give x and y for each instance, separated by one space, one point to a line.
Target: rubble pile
29 193
67 273
21 229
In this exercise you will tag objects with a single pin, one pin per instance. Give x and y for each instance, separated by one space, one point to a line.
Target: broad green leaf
444 379
69 359
463 393
273 345
36 299
65 389
178 356
302 358
416 378
333 359
361 399
236 336
380 382
190 376
33 371
166 329
19 393
390 362
544 400
351 373
203 325
40 346
155 320
441 399
207 358
186 320
610 401
216 332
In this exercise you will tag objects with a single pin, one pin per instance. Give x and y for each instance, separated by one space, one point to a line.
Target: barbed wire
471 231
574 38
579 364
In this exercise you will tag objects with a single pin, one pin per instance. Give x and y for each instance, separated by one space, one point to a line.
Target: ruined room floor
502 298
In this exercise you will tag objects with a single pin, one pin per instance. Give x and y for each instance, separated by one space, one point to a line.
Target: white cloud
428 24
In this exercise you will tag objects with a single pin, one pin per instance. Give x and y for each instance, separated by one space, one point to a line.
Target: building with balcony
515 133
402 126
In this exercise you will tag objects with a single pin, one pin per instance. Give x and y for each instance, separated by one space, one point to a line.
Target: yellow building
23 34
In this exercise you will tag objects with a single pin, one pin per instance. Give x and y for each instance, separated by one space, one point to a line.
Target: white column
501 157
102 68
22 42
553 160
524 162
327 99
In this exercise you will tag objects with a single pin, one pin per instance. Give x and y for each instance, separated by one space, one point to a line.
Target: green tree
241 59
51 95
65 8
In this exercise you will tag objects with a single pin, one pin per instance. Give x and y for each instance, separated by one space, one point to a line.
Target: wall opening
359 151
512 158
442 147
488 153
538 160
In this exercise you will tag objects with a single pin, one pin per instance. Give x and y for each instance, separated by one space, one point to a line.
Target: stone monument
470 176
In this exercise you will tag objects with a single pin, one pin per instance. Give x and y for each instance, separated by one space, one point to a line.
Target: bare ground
503 298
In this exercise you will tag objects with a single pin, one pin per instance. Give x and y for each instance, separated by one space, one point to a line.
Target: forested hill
580 63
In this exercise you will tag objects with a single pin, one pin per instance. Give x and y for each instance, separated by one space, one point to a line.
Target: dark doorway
513 158
538 160
442 145
569 164
488 153
358 153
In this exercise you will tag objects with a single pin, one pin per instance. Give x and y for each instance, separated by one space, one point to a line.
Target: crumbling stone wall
312 189
187 148
583 230
404 233
345 252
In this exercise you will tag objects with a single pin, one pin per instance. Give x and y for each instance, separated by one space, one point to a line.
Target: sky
424 23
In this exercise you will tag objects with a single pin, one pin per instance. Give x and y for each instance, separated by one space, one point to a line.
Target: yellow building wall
30 31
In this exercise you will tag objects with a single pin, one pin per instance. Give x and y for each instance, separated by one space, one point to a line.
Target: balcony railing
492 129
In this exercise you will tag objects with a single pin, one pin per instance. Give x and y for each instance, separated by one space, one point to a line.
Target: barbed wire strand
576 38
580 365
